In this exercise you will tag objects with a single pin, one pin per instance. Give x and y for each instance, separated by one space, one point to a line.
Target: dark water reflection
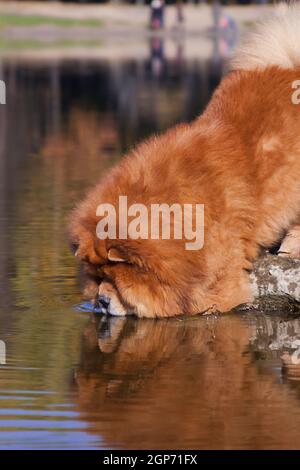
78 381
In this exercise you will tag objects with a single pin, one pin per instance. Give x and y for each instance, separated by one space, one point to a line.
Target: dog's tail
274 42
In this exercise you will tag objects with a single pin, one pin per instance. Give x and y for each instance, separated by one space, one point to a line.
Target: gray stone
275 282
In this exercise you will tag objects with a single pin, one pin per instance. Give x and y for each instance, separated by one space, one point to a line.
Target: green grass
36 20
7 45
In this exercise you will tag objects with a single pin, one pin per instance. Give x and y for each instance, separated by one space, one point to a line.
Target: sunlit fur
241 159
273 41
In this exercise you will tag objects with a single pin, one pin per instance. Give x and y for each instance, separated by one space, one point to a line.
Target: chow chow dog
240 159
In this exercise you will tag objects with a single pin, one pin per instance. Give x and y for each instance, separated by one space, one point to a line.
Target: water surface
78 380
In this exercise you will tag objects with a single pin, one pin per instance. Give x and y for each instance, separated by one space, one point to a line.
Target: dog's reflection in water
182 384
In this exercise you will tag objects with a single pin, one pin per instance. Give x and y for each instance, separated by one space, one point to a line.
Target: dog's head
146 277
142 277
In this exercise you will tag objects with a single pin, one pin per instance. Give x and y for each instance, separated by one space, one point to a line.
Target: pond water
78 380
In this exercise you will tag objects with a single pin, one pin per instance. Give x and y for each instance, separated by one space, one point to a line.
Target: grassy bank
7 20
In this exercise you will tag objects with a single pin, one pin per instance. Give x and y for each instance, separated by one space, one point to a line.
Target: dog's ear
116 256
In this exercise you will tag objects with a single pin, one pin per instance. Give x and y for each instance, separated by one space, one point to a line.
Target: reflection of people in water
228 30
157 14
179 12
181 384
225 30
225 36
157 55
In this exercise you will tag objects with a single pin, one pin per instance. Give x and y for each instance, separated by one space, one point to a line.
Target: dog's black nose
104 301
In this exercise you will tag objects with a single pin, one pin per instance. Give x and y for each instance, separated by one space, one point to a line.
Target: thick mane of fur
274 42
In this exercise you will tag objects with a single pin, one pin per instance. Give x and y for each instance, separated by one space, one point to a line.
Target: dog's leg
290 246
